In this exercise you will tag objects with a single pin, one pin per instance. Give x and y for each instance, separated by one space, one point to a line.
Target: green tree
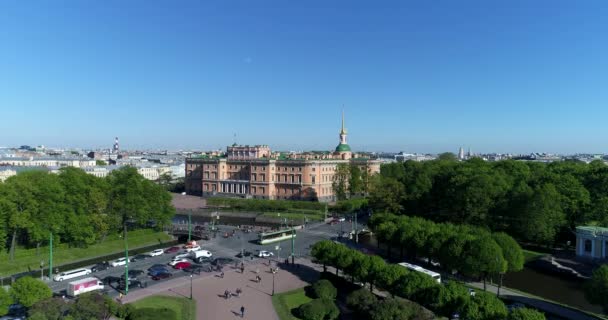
412 284
18 205
389 276
340 181
5 300
361 302
324 289
542 217
447 156
386 194
511 251
324 252
27 291
596 288
526 314
91 305
374 266
484 306
355 182
483 257
451 298
343 257
100 163
395 309
49 309
319 309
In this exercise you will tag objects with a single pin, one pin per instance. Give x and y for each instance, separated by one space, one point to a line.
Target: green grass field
532 255
184 308
26 259
284 303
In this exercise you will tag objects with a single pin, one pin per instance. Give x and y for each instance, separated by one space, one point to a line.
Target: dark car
157 271
222 261
132 284
172 250
204 260
100 266
140 257
157 266
111 279
162 275
197 268
244 254
133 274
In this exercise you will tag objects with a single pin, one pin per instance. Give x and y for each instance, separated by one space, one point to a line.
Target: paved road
222 247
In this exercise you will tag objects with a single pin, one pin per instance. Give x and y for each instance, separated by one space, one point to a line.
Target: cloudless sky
418 76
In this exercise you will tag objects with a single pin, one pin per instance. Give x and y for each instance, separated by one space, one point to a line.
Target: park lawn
26 259
184 308
284 303
532 255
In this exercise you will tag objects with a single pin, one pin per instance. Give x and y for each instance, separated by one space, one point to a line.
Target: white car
341 219
182 255
176 261
156 252
194 248
265 254
119 262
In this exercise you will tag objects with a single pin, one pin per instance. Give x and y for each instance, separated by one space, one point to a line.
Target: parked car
222 261
176 261
155 253
196 269
155 272
140 257
172 250
208 260
265 254
182 255
100 266
132 284
119 262
244 254
193 248
182 265
72 274
158 266
162 275
110 279
133 274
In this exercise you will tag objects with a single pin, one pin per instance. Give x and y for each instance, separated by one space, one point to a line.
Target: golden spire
343 131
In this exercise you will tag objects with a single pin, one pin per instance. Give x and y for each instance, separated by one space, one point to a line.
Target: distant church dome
343 148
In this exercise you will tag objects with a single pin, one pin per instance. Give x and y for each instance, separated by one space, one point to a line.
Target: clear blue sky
425 76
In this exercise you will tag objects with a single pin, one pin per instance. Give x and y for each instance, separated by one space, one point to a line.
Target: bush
318 309
323 289
526 314
152 314
485 306
28 291
396 309
361 302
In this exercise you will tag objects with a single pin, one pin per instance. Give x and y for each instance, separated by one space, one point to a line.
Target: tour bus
72 274
275 236
436 276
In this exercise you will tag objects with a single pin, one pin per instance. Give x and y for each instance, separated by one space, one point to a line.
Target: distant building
461 153
6 173
47 162
592 242
257 172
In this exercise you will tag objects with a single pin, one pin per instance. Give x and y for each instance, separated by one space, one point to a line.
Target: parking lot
220 246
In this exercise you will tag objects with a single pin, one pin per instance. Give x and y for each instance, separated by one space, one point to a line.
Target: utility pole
293 239
51 257
127 261
189 225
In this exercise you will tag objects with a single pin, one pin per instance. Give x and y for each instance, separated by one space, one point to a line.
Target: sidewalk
208 290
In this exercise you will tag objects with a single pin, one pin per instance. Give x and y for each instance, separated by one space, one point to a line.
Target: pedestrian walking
242 311
238 292
226 294
257 270
242 268
222 275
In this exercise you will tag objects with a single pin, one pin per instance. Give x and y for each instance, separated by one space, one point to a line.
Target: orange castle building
256 172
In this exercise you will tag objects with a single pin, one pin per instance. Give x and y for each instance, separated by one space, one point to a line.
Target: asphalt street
221 246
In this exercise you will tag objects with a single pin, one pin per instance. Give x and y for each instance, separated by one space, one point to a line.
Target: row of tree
77 208
472 251
350 181
399 281
536 202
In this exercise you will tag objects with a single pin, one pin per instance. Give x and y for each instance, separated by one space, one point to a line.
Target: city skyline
420 78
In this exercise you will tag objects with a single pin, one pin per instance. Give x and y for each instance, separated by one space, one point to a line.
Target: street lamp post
189 225
273 273
190 286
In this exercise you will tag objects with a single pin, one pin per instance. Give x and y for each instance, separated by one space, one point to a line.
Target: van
72 274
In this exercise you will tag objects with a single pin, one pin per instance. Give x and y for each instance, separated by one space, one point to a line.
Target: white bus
436 276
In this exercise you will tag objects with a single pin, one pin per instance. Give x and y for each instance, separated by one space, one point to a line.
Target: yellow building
256 172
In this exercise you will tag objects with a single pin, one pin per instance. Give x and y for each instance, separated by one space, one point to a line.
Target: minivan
72 274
